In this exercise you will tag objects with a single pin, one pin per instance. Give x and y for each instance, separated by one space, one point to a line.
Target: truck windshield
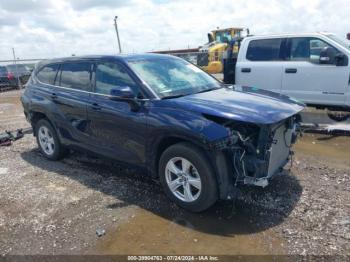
344 43
173 77
223 37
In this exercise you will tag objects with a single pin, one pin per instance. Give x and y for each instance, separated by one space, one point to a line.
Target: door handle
53 96
291 70
95 106
246 70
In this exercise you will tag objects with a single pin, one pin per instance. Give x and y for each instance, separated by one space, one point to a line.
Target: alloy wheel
183 179
46 140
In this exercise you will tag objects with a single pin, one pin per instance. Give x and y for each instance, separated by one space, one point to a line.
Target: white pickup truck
313 68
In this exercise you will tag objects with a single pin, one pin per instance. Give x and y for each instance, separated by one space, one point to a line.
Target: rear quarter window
47 74
264 50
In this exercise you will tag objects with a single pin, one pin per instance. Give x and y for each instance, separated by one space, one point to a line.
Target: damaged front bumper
256 159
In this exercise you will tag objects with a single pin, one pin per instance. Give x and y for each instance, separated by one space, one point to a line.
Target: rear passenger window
264 50
111 75
76 75
47 74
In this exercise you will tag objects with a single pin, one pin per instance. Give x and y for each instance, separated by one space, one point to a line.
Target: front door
310 81
115 130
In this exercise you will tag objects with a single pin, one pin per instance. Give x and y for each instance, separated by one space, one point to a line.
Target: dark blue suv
199 137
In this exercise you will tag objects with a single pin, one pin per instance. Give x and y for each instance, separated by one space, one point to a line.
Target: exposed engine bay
257 153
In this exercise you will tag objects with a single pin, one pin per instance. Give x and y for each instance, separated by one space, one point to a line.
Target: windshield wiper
173 96
207 90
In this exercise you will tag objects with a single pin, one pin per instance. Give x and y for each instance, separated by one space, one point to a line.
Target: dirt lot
59 207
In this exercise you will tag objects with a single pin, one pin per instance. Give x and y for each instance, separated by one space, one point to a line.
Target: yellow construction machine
210 56
218 42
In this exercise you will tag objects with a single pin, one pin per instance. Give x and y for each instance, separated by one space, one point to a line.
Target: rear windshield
3 70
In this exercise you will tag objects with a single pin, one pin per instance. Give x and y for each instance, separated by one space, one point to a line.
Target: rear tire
48 141
187 177
338 116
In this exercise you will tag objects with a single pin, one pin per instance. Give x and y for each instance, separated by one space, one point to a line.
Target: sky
56 28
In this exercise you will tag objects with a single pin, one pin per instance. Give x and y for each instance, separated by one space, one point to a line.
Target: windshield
170 77
223 37
345 44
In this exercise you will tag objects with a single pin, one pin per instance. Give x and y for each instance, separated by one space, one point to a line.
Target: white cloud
38 28
87 4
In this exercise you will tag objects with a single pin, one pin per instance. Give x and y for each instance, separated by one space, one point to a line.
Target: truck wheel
187 177
48 141
338 116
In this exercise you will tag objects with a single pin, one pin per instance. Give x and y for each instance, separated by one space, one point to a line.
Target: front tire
48 141
187 177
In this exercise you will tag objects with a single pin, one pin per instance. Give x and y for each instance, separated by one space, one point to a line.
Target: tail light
10 76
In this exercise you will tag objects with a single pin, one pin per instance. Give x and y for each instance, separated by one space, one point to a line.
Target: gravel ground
319 223
61 207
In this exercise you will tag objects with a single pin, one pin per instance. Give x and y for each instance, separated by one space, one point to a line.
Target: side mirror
125 93
210 38
340 59
327 55
122 92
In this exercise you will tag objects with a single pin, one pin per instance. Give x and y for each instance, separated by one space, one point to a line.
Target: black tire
338 116
59 151
209 190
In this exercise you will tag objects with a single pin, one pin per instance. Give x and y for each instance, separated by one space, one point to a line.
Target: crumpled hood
243 104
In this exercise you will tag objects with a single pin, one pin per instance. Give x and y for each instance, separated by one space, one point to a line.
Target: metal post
17 74
116 30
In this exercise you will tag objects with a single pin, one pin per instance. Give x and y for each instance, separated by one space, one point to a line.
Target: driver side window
110 75
308 49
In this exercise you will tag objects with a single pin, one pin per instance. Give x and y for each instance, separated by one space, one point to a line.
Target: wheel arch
158 146
35 116
217 159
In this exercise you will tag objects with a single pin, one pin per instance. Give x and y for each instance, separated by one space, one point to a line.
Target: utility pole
15 62
116 30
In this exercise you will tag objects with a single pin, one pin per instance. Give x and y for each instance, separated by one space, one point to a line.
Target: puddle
336 148
148 233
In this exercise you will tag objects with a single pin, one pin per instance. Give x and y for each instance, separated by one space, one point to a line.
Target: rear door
115 130
43 87
260 64
71 94
309 81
